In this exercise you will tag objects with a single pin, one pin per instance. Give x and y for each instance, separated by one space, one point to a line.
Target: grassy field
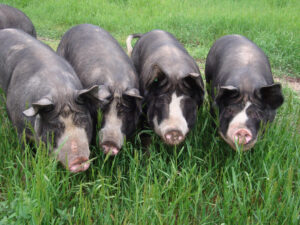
273 24
202 181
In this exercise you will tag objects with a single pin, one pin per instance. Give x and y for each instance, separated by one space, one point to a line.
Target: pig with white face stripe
241 88
170 82
98 59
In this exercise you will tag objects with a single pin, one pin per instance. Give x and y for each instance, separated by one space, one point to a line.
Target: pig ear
194 83
44 104
271 95
157 76
98 93
133 93
226 93
87 94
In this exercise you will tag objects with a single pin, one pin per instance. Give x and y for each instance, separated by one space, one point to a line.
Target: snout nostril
110 148
174 137
242 136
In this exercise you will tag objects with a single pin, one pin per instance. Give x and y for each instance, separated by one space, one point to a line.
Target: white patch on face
238 122
73 143
111 132
175 121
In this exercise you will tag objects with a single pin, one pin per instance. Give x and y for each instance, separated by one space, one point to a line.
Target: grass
272 24
202 181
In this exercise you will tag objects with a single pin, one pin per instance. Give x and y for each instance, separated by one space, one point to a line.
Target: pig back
97 57
235 60
30 70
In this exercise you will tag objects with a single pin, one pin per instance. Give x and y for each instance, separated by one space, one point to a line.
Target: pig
98 59
11 17
170 82
45 97
242 91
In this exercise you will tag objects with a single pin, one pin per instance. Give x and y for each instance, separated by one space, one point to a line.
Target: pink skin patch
242 136
110 148
74 147
79 164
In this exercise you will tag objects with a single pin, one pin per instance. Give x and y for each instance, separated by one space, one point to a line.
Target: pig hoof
173 137
242 136
110 148
79 164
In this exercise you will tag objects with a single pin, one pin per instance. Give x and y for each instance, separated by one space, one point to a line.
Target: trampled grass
202 181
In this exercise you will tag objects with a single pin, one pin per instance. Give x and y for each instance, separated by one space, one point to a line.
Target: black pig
241 88
11 17
98 59
42 89
170 82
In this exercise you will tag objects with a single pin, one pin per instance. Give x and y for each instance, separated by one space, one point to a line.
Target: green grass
272 24
201 182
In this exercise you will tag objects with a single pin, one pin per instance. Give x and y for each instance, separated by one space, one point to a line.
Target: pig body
241 88
98 59
11 17
170 82
42 90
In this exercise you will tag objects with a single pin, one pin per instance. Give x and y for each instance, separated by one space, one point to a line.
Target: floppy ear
135 93
271 95
44 104
226 93
96 93
193 82
157 77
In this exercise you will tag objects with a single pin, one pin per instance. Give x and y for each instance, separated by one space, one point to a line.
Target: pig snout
242 136
111 141
111 135
110 148
78 162
74 156
173 137
73 151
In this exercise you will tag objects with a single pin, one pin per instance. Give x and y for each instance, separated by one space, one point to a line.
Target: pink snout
79 164
242 136
110 148
173 137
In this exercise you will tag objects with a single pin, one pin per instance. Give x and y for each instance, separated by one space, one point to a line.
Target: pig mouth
173 137
80 164
110 147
